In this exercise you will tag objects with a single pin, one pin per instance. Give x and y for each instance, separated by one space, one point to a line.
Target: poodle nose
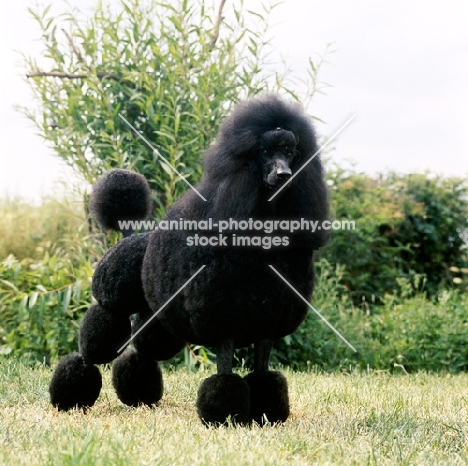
283 173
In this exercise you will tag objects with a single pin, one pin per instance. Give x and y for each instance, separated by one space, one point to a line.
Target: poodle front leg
224 395
269 400
76 382
224 357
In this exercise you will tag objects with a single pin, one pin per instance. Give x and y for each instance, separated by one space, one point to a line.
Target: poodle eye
264 151
290 154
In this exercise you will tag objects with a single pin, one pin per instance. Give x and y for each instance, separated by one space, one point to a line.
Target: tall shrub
405 225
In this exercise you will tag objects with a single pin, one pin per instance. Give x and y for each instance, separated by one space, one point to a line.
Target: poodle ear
230 153
298 139
242 144
247 143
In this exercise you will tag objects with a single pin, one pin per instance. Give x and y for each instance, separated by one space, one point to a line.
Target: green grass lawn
338 419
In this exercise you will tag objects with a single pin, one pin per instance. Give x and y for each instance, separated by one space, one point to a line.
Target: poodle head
273 134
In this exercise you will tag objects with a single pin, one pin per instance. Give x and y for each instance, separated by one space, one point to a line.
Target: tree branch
64 75
219 19
75 50
61 74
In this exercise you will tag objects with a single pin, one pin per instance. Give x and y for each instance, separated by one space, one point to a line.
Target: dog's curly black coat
237 299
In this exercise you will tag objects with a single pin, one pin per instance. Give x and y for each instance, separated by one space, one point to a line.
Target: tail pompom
120 195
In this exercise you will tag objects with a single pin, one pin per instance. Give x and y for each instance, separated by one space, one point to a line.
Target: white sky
400 66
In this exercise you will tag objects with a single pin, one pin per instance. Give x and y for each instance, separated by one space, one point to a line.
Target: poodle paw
221 396
269 400
75 384
137 379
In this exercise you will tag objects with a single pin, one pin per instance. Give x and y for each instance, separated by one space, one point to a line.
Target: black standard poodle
202 285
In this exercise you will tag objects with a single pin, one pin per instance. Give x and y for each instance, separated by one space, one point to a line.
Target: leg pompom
137 379
269 400
221 396
75 384
102 333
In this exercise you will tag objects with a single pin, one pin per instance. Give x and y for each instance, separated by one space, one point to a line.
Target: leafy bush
43 301
408 332
420 334
405 225
437 235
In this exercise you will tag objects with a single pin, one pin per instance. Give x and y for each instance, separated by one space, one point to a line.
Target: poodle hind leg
75 383
224 394
269 399
137 378
103 332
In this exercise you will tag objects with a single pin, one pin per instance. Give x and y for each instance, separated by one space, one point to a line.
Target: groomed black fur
137 379
120 195
75 384
237 299
154 340
237 296
269 401
102 333
117 279
221 396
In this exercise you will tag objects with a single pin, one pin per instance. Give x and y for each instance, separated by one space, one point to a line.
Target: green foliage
421 334
171 68
405 225
43 301
437 234
26 230
408 332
